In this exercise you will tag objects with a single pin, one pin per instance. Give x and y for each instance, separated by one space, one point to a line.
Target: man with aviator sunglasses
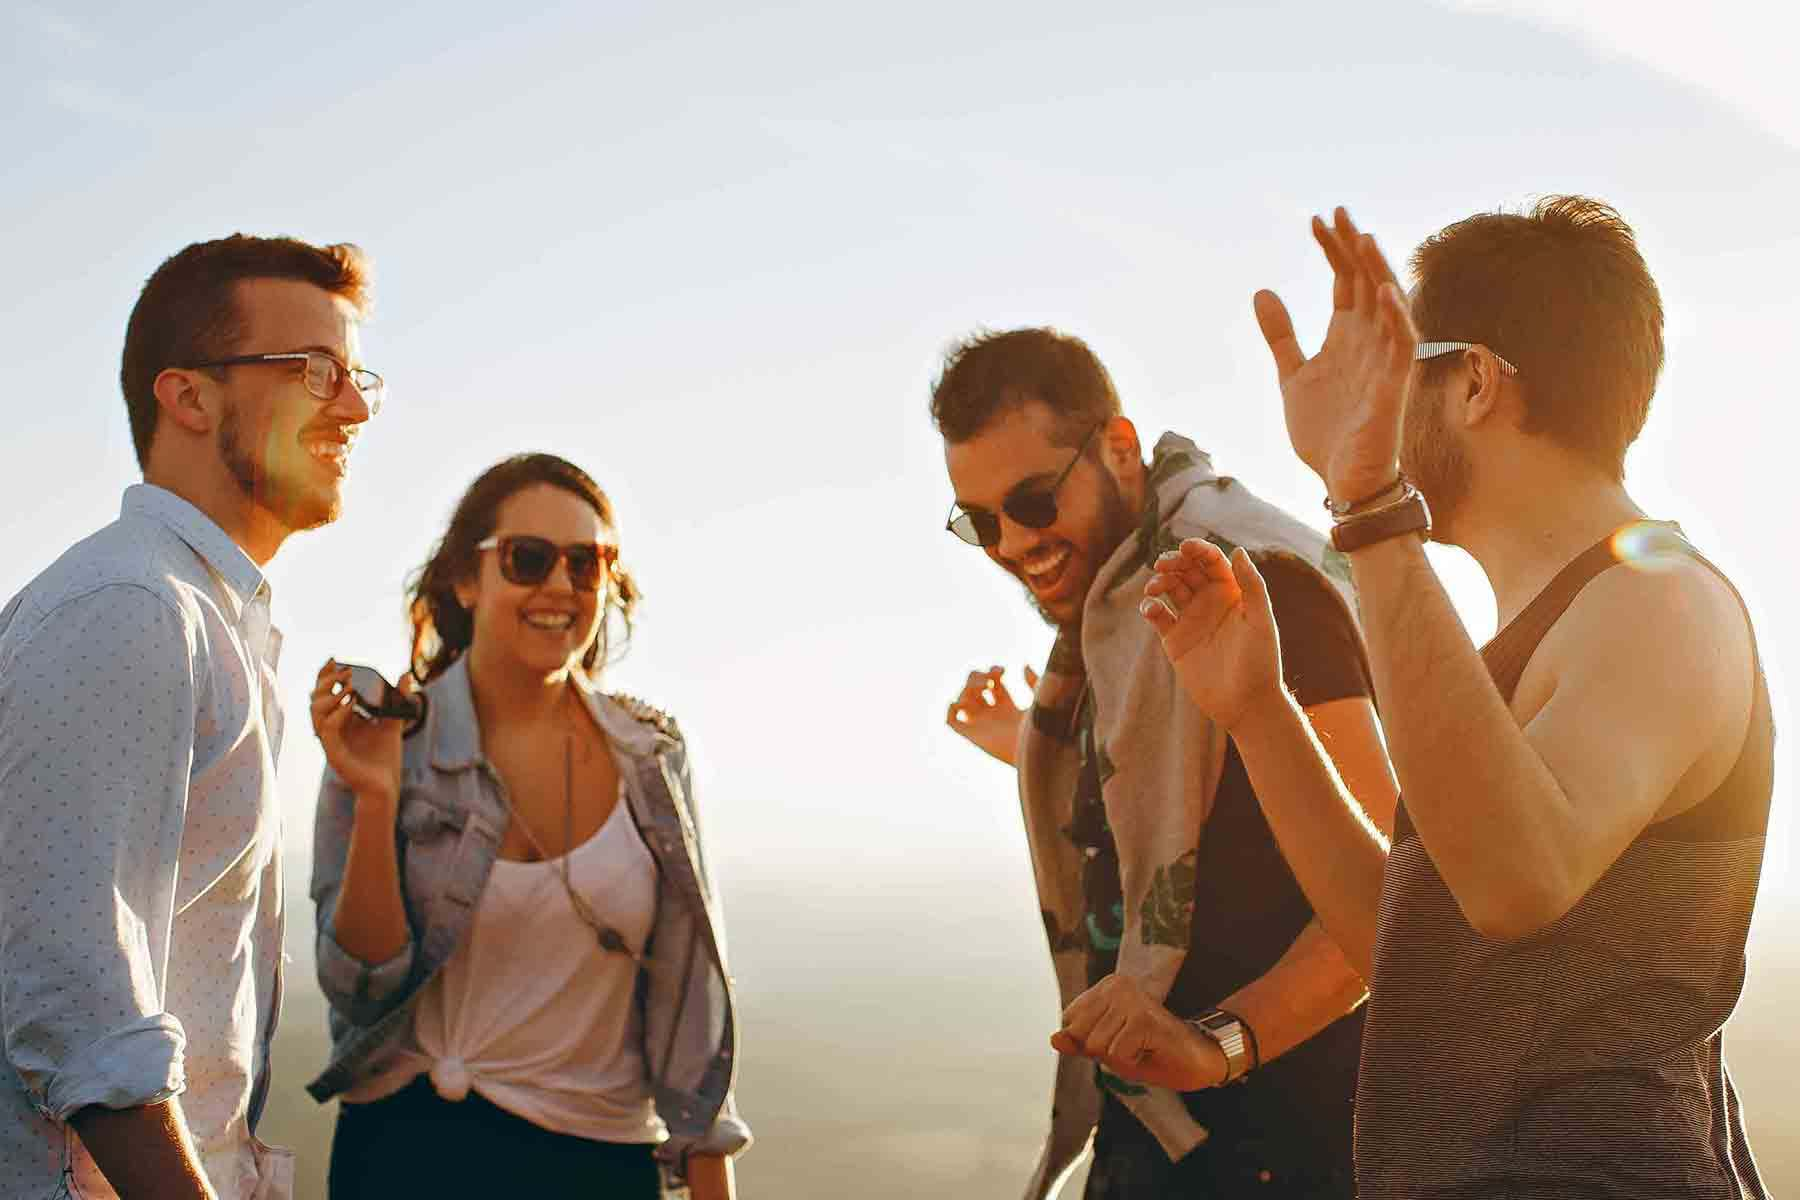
140 843
1151 857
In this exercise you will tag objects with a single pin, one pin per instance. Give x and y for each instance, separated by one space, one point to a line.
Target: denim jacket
452 818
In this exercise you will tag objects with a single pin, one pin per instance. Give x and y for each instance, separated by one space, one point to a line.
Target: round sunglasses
1031 505
528 560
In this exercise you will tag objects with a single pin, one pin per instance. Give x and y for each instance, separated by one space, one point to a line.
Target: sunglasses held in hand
373 698
527 560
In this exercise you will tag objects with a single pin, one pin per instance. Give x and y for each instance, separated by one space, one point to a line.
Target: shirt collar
242 576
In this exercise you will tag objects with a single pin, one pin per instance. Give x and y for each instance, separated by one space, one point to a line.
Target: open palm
1344 405
1217 629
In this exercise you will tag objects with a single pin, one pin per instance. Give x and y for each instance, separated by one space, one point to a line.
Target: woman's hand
985 714
1345 404
364 753
1217 629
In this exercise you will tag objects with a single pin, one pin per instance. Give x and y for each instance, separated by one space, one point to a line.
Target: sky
714 255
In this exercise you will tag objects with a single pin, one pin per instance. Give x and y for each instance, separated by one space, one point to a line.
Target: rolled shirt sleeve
97 727
728 1135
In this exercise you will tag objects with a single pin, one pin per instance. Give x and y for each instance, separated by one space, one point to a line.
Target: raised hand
1217 629
1117 1023
1344 405
364 753
984 712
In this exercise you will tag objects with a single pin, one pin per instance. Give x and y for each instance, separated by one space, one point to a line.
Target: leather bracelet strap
1409 514
1351 508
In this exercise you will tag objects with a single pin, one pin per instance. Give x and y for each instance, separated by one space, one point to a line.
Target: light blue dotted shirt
140 846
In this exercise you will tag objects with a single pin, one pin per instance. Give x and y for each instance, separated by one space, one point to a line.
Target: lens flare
1646 545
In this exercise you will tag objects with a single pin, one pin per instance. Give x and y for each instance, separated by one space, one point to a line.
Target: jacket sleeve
727 1133
97 712
362 992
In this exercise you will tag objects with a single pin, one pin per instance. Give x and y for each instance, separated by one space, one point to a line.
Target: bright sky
712 254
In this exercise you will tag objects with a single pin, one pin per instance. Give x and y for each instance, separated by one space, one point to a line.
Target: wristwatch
1233 1037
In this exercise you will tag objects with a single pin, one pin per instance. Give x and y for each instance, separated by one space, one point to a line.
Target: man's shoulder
126 566
1668 601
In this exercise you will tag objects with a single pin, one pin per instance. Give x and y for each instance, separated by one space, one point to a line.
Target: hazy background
713 255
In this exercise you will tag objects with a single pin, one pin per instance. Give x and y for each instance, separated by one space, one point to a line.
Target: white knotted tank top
530 1011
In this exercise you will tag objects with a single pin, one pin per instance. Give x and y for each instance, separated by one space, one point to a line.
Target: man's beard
291 503
1432 457
1116 524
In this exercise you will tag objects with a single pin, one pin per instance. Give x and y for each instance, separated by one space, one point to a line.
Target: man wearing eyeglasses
140 843
1152 860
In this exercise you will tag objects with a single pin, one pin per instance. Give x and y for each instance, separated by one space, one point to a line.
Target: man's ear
1484 397
1119 445
179 399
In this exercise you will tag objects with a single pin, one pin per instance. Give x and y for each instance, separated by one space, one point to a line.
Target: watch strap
1233 1038
1408 514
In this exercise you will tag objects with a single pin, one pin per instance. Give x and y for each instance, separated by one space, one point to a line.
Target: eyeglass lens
528 561
324 377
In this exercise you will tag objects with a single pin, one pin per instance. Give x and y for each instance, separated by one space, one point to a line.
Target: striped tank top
1584 1059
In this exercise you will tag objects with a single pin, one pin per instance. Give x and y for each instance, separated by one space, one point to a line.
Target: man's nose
350 406
1015 539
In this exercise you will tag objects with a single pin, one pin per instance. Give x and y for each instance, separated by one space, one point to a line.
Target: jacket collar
455 734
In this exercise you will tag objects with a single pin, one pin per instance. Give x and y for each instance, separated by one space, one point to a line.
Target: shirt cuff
356 987
728 1136
134 1065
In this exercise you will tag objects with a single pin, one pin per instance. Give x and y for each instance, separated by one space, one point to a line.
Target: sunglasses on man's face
1030 504
528 561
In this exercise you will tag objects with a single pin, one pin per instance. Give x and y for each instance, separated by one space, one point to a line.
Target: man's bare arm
1651 675
144 1152
1319 978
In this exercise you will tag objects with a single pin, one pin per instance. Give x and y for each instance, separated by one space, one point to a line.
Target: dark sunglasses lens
527 561
584 567
976 528
370 688
1033 510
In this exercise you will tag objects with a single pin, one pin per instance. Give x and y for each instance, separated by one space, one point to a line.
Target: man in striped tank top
1555 937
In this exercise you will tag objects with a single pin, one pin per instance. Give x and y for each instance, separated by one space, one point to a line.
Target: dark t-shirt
1248 910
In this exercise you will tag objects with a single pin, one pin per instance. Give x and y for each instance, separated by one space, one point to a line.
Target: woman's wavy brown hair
441 626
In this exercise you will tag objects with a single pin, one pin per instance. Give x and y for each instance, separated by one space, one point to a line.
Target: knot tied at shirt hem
450 1076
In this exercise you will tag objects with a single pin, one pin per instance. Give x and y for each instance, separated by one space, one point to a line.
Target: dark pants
1243 1158
414 1143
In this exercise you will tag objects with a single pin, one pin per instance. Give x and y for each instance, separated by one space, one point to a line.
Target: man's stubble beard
1432 457
1116 524
293 505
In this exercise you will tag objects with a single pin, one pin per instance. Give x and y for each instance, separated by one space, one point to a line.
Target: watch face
1218 1021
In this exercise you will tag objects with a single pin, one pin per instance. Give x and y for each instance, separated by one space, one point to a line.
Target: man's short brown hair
188 310
1563 294
989 374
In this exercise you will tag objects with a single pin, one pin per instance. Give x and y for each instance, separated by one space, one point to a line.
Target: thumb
1278 331
1249 579
407 685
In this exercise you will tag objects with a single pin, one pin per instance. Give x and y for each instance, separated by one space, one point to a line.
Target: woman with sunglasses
516 933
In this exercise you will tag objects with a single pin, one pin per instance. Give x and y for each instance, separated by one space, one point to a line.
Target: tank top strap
1510 650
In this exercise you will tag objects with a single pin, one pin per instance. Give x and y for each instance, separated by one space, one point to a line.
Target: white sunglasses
1437 349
